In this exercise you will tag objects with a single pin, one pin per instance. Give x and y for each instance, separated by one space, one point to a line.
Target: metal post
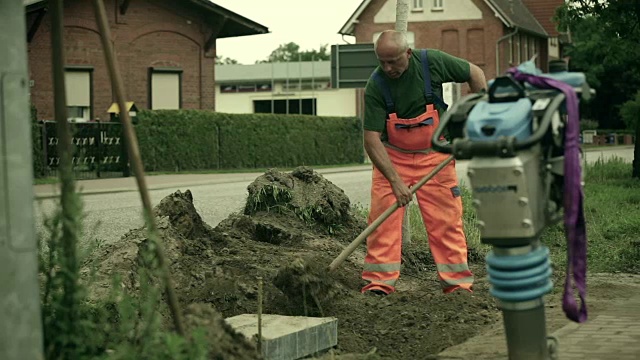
313 86
299 84
20 316
273 89
520 276
525 329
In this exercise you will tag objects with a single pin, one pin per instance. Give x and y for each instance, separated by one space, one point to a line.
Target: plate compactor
515 137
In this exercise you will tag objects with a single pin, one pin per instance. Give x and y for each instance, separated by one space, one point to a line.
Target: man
402 106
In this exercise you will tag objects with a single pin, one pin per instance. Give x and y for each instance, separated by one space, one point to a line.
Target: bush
186 140
37 154
629 111
588 125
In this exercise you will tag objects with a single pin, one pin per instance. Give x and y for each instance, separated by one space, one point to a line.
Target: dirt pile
303 193
302 218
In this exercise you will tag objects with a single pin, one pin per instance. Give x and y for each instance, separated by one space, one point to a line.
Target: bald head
391 41
393 53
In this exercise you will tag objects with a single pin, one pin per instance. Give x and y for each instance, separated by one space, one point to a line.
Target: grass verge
612 215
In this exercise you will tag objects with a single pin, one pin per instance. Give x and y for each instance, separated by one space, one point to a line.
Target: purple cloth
574 222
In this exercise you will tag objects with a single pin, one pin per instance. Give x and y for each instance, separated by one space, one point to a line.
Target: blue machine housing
489 121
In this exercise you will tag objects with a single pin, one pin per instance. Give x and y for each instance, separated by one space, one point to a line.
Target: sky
307 23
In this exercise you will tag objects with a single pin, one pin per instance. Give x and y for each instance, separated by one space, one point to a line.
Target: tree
225 61
605 46
630 112
291 52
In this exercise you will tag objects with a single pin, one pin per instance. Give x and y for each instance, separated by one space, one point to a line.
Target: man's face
394 64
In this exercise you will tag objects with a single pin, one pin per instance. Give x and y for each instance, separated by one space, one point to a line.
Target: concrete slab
288 337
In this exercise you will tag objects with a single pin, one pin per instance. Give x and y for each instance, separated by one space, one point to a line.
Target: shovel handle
374 225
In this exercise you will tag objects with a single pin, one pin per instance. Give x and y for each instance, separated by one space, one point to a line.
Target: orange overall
409 148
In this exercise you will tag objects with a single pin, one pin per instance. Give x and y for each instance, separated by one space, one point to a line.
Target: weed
268 198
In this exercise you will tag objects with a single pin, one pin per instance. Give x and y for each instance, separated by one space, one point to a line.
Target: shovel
374 225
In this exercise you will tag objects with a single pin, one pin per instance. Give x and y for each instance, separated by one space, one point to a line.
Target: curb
364 167
52 195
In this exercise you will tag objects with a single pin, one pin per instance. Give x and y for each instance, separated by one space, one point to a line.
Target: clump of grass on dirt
302 193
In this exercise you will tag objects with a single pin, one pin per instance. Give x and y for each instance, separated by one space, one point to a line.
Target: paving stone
288 337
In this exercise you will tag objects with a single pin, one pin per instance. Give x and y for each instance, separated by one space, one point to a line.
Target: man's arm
477 80
376 151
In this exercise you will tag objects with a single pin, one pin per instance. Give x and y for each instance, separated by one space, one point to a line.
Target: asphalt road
109 216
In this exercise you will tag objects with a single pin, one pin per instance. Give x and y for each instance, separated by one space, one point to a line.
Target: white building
293 88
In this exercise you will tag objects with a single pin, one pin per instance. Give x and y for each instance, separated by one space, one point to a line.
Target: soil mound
182 215
224 343
300 218
303 193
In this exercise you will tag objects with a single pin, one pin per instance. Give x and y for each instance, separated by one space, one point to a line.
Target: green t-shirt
407 91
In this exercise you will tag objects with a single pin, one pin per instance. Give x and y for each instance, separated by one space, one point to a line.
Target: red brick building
493 34
165 48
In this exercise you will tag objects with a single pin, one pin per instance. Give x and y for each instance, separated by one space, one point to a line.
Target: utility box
114 111
628 139
587 136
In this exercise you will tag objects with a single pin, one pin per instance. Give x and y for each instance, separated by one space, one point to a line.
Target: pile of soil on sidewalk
300 218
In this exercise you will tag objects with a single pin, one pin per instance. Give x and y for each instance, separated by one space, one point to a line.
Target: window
165 88
517 49
305 85
78 88
286 106
511 50
416 5
234 88
437 5
411 38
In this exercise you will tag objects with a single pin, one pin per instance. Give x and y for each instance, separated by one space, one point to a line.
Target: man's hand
402 192
380 159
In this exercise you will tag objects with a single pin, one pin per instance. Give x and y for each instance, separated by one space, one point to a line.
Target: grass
46 180
591 147
251 170
612 215
477 250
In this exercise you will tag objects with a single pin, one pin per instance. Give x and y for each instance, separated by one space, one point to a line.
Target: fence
99 150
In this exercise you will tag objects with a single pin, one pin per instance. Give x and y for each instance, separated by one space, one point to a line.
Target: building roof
235 24
544 11
349 27
305 70
513 13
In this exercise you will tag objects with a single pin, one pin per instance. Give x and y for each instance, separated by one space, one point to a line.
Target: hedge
186 140
189 140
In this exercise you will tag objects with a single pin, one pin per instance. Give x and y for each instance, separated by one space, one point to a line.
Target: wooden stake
136 162
260 315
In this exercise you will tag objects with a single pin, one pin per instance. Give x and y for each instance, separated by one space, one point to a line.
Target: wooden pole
374 225
402 15
136 162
